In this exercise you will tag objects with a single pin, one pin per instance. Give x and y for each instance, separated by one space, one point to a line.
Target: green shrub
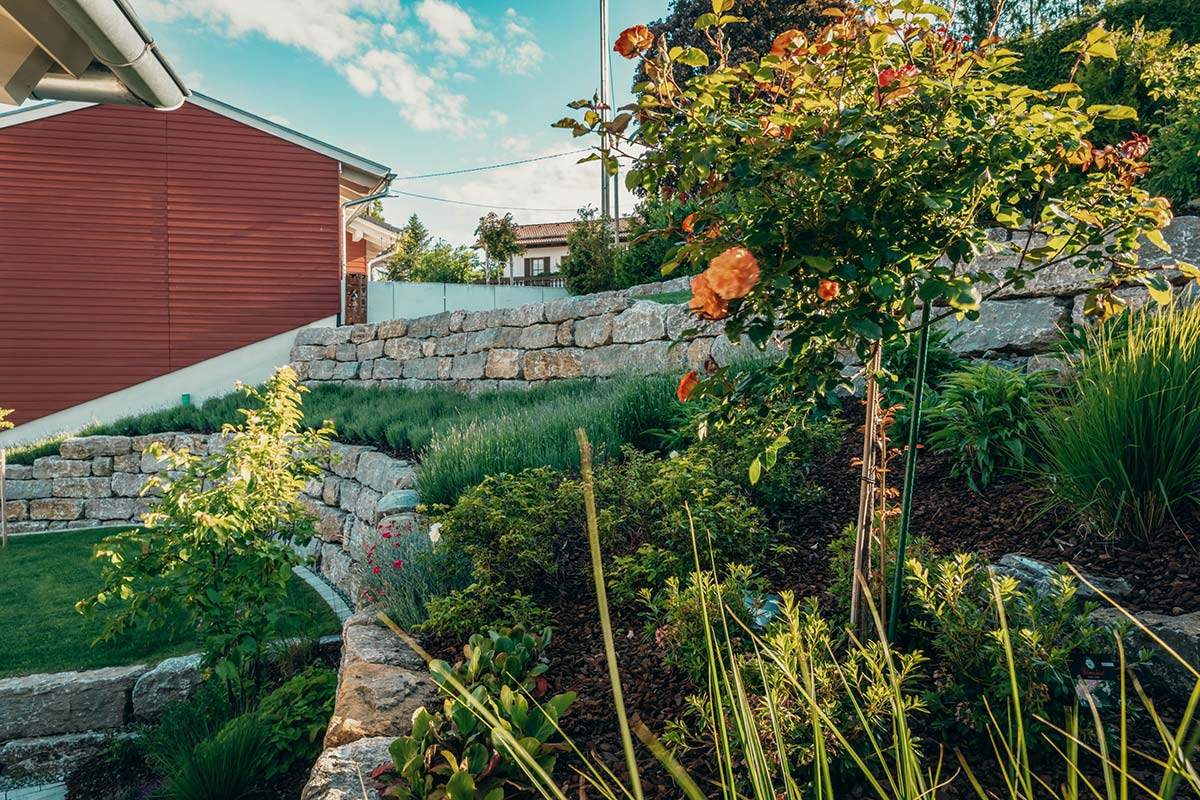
678 614
955 618
1122 452
295 716
650 565
481 606
590 263
985 417
183 725
230 765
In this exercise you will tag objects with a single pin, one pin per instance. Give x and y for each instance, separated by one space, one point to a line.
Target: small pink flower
376 570
398 563
387 534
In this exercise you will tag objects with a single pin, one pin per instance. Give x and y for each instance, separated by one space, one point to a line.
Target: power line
397 192
490 166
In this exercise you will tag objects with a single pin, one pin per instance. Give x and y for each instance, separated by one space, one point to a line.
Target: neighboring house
545 246
370 243
136 243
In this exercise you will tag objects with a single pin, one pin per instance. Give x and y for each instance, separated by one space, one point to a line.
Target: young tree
848 180
4 423
218 543
591 255
498 236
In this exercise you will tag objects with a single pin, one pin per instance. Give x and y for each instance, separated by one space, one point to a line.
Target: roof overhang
359 177
364 227
82 50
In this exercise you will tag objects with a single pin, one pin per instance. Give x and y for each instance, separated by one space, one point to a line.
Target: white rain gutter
131 70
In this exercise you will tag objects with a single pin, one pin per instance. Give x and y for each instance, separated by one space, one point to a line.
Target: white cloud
450 24
279 119
375 45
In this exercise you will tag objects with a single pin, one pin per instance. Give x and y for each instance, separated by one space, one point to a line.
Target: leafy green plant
219 541
676 615
649 566
589 264
295 716
1122 451
986 417
481 606
227 766
511 657
956 617
454 753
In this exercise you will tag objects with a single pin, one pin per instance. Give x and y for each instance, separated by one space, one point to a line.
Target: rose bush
842 182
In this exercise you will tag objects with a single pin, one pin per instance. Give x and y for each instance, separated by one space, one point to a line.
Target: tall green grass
532 433
1123 451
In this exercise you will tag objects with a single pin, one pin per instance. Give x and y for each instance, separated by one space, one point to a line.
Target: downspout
133 71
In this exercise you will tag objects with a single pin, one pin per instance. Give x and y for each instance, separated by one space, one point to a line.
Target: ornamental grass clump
1123 451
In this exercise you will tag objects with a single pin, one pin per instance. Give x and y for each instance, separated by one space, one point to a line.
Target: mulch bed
1164 575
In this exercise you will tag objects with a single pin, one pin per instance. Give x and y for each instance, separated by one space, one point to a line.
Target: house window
537 266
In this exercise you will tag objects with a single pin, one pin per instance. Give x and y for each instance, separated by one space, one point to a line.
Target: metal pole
3 501
604 194
910 473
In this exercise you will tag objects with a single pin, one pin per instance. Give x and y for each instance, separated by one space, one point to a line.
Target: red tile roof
549 234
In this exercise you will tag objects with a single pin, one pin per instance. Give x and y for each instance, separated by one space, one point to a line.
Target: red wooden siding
356 256
135 242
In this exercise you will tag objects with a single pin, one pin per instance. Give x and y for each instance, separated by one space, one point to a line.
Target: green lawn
42 576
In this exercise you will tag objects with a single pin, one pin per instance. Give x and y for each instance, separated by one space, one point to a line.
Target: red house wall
135 242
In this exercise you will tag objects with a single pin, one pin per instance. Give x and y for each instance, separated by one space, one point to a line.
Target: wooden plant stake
868 482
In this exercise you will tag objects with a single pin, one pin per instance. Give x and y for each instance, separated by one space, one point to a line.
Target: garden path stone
342 772
40 759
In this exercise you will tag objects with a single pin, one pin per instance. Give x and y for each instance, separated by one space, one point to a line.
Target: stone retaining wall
96 481
605 334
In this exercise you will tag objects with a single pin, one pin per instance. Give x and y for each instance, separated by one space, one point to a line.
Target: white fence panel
402 300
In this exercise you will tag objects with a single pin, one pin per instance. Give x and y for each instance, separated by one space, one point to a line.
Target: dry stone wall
97 481
601 335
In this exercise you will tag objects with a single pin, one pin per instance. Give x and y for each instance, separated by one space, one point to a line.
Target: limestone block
345 352
341 772
1019 326
566 333
102 466
56 467
27 490
388 368
432 326
594 331
308 352
643 322
383 473
169 682
122 508
428 369
370 350
503 363
468 367
451 345
536 337
363 333
66 702
16 510
523 316
343 458
92 446
82 487
321 370
55 509
392 329
130 484
548 364
490 338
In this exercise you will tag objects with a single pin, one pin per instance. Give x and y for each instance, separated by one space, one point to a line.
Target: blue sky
420 85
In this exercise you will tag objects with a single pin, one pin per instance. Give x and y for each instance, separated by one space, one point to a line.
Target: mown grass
669 298
459 439
41 578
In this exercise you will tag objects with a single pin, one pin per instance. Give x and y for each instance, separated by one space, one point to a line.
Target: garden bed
1007 518
41 578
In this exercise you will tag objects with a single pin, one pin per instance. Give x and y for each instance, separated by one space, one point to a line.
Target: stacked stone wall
611 333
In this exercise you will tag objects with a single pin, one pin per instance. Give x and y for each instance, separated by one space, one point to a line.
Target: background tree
589 265
444 263
747 41
413 241
498 236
